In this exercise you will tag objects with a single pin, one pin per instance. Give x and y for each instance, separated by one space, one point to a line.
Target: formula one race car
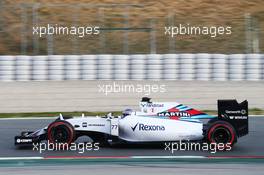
155 122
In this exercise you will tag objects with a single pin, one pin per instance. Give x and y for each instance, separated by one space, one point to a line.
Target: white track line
21 158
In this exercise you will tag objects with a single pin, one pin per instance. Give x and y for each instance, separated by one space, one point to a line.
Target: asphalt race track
250 145
132 169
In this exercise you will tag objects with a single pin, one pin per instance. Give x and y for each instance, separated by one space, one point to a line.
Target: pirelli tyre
221 132
61 132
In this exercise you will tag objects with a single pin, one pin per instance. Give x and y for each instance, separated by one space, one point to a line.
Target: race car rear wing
235 113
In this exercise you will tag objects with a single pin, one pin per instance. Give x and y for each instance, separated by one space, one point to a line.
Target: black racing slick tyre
221 132
60 132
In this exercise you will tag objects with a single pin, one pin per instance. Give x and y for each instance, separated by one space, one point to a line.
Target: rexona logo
171 114
143 127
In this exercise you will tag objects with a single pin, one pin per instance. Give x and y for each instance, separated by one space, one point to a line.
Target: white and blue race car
154 122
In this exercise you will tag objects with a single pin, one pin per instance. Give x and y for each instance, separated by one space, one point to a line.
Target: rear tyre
61 132
221 132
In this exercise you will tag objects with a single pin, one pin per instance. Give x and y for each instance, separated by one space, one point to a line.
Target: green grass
253 111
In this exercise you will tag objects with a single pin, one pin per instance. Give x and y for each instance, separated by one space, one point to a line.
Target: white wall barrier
202 66
121 67
219 67
23 68
138 67
236 65
56 67
40 68
154 67
170 67
104 67
7 68
254 67
72 67
88 67
187 66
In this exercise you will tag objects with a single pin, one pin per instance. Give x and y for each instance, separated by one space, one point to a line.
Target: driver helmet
127 112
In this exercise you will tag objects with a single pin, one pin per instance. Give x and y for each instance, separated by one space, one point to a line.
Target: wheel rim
60 134
221 135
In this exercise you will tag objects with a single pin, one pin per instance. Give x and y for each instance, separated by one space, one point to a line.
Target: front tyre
221 132
60 132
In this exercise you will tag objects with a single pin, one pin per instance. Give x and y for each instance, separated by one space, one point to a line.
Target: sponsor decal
232 117
24 140
96 125
84 124
243 112
134 127
153 105
172 114
143 127
238 117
